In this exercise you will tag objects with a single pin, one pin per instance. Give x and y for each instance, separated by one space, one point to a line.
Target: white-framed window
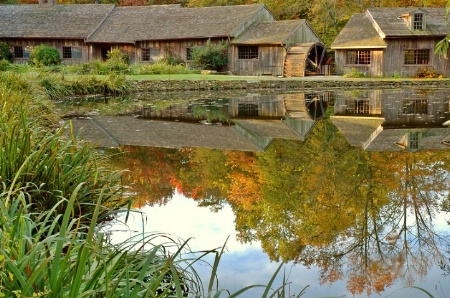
418 21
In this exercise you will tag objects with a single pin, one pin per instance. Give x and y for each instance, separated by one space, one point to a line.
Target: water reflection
393 120
325 198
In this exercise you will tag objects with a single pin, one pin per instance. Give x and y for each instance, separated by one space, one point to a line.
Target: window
414 140
415 106
18 52
188 54
361 106
150 54
247 52
71 52
145 55
417 56
21 52
418 21
248 109
358 57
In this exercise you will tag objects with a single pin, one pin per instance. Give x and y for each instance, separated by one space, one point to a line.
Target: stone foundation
150 86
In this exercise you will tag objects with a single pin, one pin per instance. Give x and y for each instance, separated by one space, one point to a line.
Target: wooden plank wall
270 61
56 43
390 61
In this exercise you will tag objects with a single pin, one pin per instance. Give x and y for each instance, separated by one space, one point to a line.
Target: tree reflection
368 217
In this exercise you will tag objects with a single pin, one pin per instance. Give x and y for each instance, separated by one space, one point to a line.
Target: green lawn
196 77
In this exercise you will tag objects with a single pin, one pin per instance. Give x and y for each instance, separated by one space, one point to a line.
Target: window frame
414 56
358 57
248 53
71 53
418 21
19 52
150 53
189 54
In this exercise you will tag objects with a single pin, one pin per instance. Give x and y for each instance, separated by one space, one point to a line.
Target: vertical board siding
56 43
390 61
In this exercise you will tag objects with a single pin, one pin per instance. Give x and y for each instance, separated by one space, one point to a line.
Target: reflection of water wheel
316 107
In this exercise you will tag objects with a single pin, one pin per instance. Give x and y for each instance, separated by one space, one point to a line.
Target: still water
350 189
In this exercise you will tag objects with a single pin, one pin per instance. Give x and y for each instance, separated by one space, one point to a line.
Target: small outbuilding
282 48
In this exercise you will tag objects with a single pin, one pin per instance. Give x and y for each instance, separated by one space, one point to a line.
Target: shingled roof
392 25
269 32
358 33
57 21
131 24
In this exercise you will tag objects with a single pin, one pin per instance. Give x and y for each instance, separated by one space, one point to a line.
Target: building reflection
394 120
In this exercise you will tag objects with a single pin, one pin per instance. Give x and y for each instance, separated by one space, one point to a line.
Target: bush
211 56
354 73
117 61
171 59
425 72
44 55
5 52
4 65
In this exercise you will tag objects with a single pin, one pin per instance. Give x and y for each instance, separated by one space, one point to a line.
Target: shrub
354 73
171 59
5 52
211 56
5 65
425 72
44 55
117 61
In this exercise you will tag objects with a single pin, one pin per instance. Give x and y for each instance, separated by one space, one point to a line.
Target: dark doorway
105 53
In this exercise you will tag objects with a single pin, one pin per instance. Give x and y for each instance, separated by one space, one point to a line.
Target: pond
349 188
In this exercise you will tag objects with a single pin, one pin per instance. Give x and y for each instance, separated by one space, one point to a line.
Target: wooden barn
148 33
392 42
259 45
64 27
283 48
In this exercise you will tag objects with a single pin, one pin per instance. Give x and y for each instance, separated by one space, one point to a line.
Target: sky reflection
246 264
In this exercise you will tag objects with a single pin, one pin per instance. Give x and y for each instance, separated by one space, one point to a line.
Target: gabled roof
57 21
391 23
269 32
131 24
358 33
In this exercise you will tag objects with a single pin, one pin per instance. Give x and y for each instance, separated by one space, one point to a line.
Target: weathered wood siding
394 57
58 44
271 58
304 34
375 68
390 61
270 61
177 48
